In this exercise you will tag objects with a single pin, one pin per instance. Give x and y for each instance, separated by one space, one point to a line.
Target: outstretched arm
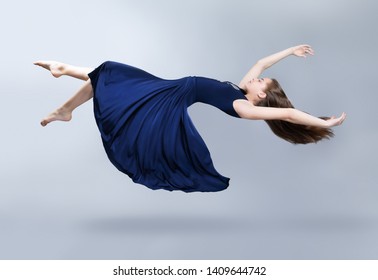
266 62
248 111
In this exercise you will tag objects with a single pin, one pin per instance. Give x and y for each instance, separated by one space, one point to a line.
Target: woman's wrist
291 50
326 124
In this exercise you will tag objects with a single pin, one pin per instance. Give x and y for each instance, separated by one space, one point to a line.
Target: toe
44 122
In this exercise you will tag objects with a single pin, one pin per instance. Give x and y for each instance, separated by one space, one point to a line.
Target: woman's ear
261 95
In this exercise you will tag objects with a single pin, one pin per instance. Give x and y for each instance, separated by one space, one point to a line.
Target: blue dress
147 132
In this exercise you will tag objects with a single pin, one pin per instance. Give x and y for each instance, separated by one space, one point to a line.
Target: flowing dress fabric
147 132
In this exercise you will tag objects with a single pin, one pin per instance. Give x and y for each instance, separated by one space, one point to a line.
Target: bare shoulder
242 107
247 110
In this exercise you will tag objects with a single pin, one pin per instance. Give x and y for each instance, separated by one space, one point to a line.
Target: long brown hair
294 133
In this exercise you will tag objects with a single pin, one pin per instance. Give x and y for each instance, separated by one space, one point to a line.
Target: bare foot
58 115
56 68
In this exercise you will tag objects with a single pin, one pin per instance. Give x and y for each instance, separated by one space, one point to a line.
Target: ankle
65 109
66 69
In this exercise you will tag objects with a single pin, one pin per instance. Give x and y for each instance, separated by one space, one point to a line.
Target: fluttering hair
293 133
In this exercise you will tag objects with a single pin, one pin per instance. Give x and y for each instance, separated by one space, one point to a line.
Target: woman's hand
333 121
302 50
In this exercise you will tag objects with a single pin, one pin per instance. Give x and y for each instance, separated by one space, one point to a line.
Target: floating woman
147 132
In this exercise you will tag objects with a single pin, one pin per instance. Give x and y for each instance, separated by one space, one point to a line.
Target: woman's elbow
261 64
291 115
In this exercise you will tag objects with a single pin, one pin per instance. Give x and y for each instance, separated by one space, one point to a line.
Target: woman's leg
64 113
58 69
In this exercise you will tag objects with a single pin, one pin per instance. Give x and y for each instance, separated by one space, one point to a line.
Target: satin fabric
147 132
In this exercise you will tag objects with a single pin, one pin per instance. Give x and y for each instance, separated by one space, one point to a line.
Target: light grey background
60 197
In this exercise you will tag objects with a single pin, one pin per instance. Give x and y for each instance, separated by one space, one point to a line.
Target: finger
341 118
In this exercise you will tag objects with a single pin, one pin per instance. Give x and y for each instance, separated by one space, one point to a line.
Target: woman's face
256 87
258 84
